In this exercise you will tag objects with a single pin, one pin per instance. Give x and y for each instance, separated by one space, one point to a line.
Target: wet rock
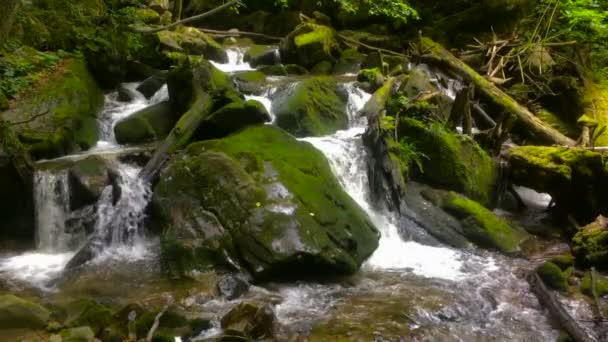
149 124
232 118
232 286
87 179
350 62
18 313
277 201
250 319
575 178
126 94
310 44
80 334
258 55
63 112
250 82
314 107
479 224
192 41
87 312
553 276
151 85
373 77
590 244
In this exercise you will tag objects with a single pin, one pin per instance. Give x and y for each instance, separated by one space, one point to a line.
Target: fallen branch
239 33
436 54
356 42
156 324
191 19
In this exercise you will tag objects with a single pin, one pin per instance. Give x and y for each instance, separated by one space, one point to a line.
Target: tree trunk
8 8
177 10
436 54
179 136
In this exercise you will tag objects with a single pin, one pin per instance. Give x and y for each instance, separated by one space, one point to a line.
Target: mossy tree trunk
8 8
433 52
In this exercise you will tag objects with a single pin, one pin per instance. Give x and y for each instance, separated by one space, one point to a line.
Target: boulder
313 107
232 118
126 93
149 124
590 244
574 177
87 179
150 86
61 115
272 197
232 286
372 77
80 334
553 276
479 225
258 55
18 313
310 44
250 319
452 161
89 313
251 82
192 41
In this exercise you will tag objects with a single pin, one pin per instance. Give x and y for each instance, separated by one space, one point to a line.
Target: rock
553 276
373 77
170 322
601 284
160 6
192 41
350 62
258 55
273 70
574 177
89 313
18 313
126 94
80 334
451 161
232 118
322 68
149 124
232 286
64 113
479 225
314 107
150 86
252 319
87 179
278 203
310 44
250 82
564 261
590 244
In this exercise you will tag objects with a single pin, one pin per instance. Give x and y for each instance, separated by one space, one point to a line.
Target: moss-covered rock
553 276
590 244
192 41
149 124
479 224
232 118
322 68
79 334
275 197
564 261
372 77
451 161
601 285
18 313
60 114
87 178
314 107
87 312
310 44
250 82
258 55
251 319
350 62
573 177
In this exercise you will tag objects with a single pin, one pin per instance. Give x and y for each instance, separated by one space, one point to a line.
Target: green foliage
24 67
409 155
394 9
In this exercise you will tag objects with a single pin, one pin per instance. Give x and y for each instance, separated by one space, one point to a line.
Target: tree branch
191 19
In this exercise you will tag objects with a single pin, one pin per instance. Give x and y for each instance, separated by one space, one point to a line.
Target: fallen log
434 53
556 309
179 136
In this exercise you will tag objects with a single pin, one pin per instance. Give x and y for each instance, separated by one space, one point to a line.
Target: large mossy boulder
60 116
313 107
18 313
310 44
553 276
232 118
575 178
265 194
258 55
192 41
479 225
87 179
450 160
149 124
590 244
251 82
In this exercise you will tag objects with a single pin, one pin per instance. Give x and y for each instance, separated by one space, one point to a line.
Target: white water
235 61
52 205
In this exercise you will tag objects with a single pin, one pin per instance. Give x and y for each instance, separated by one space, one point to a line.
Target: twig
353 41
191 19
28 120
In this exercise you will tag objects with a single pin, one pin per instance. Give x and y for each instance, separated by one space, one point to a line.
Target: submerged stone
273 198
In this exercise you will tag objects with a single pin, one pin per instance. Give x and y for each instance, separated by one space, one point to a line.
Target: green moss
192 41
453 161
560 125
553 276
79 334
88 313
564 261
313 108
141 15
482 226
601 285
310 44
590 245
322 68
16 312
149 124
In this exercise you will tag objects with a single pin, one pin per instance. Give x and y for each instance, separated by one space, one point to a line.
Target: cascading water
235 61
52 204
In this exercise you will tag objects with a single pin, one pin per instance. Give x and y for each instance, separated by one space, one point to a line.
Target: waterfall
51 201
235 61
